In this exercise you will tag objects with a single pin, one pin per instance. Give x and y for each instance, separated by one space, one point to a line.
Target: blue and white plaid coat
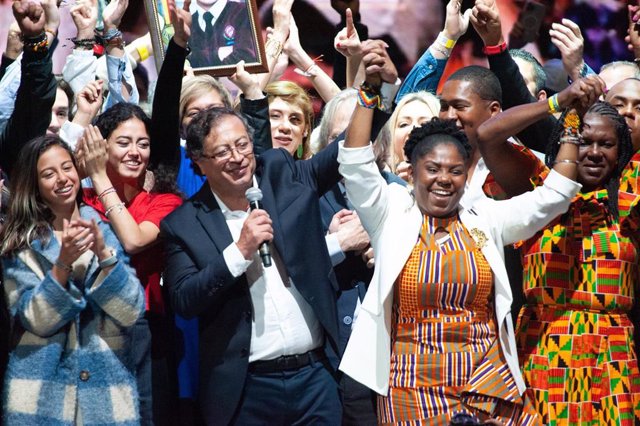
70 347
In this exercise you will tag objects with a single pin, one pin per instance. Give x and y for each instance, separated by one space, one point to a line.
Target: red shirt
145 207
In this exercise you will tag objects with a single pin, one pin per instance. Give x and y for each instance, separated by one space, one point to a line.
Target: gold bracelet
566 160
273 47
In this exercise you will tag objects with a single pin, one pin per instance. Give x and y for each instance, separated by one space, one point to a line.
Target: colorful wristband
554 107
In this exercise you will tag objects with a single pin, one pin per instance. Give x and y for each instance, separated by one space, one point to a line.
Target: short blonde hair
294 94
199 85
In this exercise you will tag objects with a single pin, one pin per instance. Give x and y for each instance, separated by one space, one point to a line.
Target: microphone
254 195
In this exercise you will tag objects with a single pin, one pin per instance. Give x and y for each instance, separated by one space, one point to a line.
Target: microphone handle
265 254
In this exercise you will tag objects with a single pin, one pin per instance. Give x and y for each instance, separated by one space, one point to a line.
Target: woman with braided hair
434 334
574 334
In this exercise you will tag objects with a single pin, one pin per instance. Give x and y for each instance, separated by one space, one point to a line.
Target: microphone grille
253 194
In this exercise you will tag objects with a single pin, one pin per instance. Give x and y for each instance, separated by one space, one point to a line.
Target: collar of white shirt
215 10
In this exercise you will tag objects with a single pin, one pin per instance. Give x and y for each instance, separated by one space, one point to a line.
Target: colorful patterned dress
575 339
445 352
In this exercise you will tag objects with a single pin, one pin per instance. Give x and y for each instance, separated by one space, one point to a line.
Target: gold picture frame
216 47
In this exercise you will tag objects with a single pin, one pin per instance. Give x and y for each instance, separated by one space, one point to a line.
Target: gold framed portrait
223 33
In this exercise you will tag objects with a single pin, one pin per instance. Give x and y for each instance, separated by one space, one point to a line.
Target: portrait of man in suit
221 33
264 330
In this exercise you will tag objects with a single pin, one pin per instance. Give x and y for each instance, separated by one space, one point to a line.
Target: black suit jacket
201 285
232 29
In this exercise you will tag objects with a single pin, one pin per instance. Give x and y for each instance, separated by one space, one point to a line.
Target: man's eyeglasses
243 148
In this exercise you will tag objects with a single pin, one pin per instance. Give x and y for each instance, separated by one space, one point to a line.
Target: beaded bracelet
119 206
571 123
37 43
84 43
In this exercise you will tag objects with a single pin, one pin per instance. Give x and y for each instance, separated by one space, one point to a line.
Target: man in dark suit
262 329
221 34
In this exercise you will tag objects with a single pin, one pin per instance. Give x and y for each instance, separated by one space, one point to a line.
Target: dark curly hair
164 176
422 140
625 148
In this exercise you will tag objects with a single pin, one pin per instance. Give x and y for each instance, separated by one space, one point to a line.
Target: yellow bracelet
553 104
143 52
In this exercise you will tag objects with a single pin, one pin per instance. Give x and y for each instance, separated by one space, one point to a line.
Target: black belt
287 362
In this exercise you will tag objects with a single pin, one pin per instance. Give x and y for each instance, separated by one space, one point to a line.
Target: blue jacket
201 285
69 347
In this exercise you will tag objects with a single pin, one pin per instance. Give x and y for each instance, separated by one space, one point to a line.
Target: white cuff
333 245
235 261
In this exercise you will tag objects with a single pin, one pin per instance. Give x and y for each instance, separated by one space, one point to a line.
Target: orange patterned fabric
445 352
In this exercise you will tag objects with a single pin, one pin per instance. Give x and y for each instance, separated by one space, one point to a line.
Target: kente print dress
575 338
445 353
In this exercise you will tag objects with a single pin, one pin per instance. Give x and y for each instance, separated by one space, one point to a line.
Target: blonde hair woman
291 117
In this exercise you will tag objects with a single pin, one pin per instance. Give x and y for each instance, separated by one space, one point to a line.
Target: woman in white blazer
487 385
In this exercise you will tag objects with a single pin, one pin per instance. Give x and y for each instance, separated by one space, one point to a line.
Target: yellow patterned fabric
575 339
445 352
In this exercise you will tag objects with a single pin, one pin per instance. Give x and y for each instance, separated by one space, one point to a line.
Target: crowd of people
463 256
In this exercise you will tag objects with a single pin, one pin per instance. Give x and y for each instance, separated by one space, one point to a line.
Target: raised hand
293 46
255 230
30 17
181 19
347 41
485 18
51 15
14 43
88 102
377 63
85 16
281 19
94 152
113 13
456 23
341 6
248 84
569 41
633 32
582 93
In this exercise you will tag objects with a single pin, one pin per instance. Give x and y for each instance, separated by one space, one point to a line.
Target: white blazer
393 220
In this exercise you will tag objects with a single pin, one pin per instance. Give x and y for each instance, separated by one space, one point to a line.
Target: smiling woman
434 334
291 116
72 298
117 167
574 332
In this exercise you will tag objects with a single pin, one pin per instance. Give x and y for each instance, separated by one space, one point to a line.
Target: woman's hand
247 83
569 41
113 13
377 63
347 41
582 93
456 23
94 152
30 17
76 238
181 19
88 102
85 16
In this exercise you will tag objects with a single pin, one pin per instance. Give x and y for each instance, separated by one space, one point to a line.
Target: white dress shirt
215 10
283 322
